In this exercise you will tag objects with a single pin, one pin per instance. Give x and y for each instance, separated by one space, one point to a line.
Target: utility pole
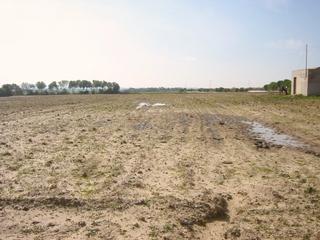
306 72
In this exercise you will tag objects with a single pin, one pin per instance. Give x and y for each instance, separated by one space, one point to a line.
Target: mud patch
270 136
210 126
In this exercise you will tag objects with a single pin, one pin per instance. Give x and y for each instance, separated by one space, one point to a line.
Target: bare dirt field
95 167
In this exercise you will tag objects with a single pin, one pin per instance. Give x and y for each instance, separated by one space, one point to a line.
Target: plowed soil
95 167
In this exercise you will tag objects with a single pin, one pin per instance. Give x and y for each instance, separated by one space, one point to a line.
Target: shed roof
303 69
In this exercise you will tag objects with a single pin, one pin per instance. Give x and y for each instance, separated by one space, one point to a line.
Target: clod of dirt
277 195
136 225
310 190
49 163
51 224
52 186
142 219
262 144
217 137
313 151
82 224
227 162
232 233
235 232
6 154
200 211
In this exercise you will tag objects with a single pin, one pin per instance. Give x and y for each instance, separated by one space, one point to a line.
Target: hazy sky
193 43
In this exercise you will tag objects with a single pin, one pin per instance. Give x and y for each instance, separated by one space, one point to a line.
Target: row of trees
182 90
222 89
277 86
61 87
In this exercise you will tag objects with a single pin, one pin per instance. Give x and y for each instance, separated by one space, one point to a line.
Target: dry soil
95 167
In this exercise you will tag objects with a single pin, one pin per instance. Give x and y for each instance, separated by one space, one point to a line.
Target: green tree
28 88
74 84
63 84
276 86
53 86
280 84
41 85
85 84
11 89
97 84
115 87
5 90
16 90
109 86
287 84
2 93
273 86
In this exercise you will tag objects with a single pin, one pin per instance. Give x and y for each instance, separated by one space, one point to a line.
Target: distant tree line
151 90
182 90
277 86
61 87
234 89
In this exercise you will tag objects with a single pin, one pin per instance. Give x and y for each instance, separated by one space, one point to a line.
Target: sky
157 43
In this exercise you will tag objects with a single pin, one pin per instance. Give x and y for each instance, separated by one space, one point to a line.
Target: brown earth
95 167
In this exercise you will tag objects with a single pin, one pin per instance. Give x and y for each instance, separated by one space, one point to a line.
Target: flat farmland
98 167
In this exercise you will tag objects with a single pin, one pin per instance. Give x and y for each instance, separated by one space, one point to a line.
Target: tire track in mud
215 130
183 214
237 140
222 144
158 166
148 159
181 169
162 173
207 169
133 151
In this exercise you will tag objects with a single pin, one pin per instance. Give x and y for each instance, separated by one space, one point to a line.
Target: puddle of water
271 136
144 104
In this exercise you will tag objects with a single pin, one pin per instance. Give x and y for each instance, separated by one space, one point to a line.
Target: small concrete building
306 82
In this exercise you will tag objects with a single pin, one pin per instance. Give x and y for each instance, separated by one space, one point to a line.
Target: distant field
95 167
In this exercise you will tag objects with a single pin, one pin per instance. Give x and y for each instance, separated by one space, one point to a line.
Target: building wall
314 82
301 82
